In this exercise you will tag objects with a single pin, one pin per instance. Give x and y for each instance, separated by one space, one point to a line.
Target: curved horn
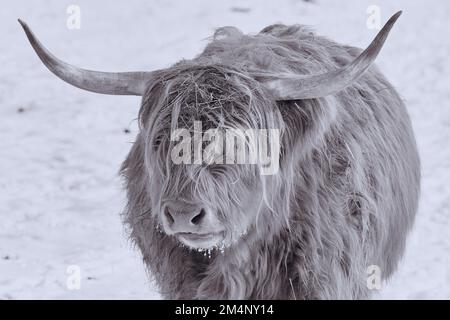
294 87
116 83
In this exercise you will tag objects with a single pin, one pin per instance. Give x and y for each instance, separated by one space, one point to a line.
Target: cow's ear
306 124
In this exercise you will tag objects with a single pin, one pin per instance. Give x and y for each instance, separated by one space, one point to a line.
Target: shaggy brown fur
344 198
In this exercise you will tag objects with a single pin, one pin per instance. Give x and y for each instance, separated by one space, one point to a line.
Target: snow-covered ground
61 148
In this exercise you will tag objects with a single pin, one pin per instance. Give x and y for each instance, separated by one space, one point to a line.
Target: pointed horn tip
395 16
22 23
382 35
31 37
25 27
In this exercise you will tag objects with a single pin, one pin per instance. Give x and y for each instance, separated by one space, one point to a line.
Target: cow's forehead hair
217 95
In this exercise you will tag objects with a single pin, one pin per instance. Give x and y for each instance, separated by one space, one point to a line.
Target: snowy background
61 148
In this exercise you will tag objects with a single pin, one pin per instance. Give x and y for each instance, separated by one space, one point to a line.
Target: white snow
60 194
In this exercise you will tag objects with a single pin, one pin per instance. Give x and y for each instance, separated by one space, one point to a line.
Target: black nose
199 217
180 220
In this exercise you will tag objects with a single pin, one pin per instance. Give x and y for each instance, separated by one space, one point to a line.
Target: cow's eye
157 142
216 169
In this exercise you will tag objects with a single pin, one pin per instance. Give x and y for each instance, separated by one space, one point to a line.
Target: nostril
198 218
168 216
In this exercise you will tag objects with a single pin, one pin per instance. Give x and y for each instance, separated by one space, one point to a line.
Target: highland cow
343 199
